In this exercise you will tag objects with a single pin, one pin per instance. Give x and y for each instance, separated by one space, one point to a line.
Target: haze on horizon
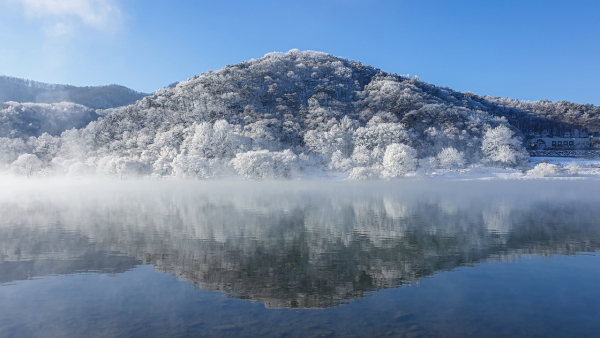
525 50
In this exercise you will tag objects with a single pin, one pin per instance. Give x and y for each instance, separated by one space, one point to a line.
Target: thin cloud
98 14
57 29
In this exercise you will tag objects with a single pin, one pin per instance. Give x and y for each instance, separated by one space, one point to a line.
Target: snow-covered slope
33 119
30 108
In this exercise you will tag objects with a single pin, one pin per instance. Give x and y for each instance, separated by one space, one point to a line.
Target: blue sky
529 50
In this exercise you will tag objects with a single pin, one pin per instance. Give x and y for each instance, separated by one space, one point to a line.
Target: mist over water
285 245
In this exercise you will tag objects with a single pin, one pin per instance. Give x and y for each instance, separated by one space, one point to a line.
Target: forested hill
97 97
283 114
295 82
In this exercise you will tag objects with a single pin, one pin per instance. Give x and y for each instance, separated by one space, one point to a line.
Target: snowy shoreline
552 168
540 168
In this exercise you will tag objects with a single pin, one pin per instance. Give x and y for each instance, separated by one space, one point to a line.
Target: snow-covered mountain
96 97
280 115
29 108
24 120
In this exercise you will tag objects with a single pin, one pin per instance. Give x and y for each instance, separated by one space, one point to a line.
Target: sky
529 50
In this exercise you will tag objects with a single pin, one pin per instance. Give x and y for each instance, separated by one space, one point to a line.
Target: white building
559 142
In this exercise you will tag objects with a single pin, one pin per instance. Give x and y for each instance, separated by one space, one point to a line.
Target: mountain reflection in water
290 245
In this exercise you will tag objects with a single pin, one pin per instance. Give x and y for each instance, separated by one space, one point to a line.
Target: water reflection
290 245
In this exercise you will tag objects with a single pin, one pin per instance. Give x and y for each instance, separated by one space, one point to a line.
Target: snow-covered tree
79 169
371 141
502 147
121 167
364 173
337 138
399 160
196 167
11 149
26 165
339 162
219 140
262 164
450 158
546 170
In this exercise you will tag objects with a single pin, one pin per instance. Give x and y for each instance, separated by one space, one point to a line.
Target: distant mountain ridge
95 97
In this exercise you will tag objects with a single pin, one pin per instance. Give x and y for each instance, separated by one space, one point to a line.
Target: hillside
283 114
97 97
30 108
24 120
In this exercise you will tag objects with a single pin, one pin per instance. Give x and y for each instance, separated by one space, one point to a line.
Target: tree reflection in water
290 245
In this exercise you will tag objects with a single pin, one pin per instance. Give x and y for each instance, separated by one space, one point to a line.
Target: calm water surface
289 259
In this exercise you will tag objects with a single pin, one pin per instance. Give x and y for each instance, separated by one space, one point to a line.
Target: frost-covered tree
339 137
121 167
79 169
11 149
371 141
364 173
450 158
502 147
399 159
546 170
26 165
264 164
207 140
339 162
196 167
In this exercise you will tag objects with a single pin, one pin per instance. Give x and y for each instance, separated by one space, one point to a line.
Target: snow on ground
571 166
557 168
546 168
565 161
